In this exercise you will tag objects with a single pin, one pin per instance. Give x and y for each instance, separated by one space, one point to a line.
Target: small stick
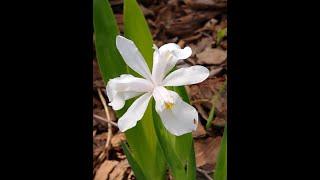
188 62
199 101
108 118
205 173
105 120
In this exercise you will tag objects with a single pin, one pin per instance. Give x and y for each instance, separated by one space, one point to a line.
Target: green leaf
167 142
134 165
221 166
181 90
191 163
110 61
221 34
211 113
145 154
214 101
184 144
142 138
178 150
145 148
137 29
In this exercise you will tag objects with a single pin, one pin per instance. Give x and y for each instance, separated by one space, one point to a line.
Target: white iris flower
177 116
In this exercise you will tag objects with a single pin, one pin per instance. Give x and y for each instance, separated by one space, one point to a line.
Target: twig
104 103
189 62
201 111
199 101
205 173
105 120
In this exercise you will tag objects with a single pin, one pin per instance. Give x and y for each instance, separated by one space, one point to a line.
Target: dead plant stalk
106 109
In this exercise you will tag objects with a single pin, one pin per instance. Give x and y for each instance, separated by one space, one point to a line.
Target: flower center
164 100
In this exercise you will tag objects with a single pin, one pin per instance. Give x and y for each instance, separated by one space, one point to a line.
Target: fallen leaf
224 44
209 26
199 132
215 70
115 2
174 3
206 4
181 43
205 92
212 56
117 139
219 122
206 151
100 139
131 175
202 112
187 25
193 37
96 71
120 155
193 90
96 103
99 84
120 170
105 169
193 48
165 14
203 44
146 12
119 19
148 2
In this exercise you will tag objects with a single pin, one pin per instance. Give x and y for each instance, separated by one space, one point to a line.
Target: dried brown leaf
120 170
146 11
209 26
96 71
117 139
224 44
186 25
204 114
105 169
206 4
203 44
219 122
200 131
96 103
193 37
207 150
215 70
119 19
115 2
212 56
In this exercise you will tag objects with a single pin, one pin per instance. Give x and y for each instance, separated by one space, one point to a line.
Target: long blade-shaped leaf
136 29
110 61
112 65
221 166
134 165
142 138
178 151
